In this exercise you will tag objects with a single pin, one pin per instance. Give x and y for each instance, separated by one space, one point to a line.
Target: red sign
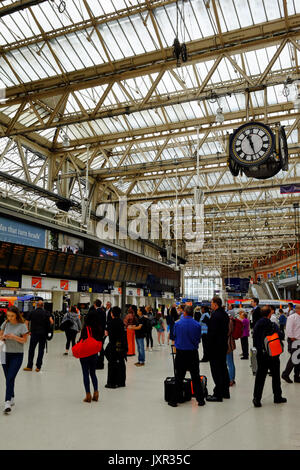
36 282
64 285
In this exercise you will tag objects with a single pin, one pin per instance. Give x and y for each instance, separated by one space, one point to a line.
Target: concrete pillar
123 298
57 300
74 298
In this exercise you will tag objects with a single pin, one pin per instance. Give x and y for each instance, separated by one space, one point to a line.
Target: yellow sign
12 284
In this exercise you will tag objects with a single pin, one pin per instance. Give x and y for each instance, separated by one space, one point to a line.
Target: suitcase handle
173 353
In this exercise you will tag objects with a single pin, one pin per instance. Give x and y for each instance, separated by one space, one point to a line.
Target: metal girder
124 109
244 39
18 6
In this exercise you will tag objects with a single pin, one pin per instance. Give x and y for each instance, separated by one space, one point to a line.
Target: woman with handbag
73 328
90 340
14 332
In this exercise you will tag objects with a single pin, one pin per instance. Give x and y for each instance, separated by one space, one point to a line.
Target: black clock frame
249 164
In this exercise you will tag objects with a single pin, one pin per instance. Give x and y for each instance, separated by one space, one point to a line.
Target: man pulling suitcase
187 334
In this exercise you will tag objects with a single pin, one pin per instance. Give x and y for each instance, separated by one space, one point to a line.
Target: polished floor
50 415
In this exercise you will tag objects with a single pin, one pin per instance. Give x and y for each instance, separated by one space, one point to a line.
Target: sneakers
150 349
7 407
12 402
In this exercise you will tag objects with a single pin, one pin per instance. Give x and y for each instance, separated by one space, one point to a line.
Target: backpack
237 328
273 345
66 324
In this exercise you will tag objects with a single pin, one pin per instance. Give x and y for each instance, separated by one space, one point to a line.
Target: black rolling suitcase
170 388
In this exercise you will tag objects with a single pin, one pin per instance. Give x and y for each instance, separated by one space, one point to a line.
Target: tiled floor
50 413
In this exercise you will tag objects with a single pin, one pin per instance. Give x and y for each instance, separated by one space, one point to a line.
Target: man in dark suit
40 321
256 313
108 312
217 339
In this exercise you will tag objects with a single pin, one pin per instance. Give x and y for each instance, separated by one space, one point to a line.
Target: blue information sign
13 231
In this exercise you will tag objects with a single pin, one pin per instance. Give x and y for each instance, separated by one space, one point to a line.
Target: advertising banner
13 231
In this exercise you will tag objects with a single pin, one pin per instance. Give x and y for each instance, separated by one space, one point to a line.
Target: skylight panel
258 11
111 44
272 9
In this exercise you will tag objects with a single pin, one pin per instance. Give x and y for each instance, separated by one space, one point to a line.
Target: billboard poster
13 231
69 244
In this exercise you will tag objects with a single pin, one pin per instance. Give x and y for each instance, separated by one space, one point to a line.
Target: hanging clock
252 144
283 149
234 167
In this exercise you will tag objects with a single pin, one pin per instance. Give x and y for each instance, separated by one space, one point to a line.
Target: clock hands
251 142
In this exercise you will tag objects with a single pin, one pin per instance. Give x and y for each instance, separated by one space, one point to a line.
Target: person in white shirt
274 317
291 310
293 334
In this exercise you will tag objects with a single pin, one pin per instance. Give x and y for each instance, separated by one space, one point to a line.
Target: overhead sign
49 284
107 252
36 282
13 231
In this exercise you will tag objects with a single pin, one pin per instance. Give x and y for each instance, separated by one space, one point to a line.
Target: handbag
87 347
2 352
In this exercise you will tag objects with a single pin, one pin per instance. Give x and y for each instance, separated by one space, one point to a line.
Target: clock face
251 144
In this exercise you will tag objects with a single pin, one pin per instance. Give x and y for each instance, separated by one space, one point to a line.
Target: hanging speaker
198 196
63 205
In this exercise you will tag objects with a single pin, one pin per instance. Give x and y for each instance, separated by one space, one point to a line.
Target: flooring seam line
222 426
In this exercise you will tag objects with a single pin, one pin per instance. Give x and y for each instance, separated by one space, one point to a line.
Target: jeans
36 339
88 365
149 339
231 366
11 368
71 338
141 349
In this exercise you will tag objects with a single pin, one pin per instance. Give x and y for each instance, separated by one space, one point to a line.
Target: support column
57 301
123 299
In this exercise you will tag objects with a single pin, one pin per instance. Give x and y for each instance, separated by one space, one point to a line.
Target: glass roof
120 92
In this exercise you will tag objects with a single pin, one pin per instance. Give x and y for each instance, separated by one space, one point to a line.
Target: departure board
109 270
77 266
122 271
86 267
102 268
128 272
39 261
5 250
50 262
28 260
140 272
60 264
116 269
68 271
16 258
94 268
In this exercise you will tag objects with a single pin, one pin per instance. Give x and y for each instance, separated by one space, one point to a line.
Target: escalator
259 291
273 288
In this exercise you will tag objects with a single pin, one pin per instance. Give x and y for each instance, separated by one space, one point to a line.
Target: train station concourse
149 225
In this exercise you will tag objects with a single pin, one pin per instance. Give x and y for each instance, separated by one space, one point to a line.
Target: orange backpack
273 345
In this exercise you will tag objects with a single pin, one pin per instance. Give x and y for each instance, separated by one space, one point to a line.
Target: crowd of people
181 326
